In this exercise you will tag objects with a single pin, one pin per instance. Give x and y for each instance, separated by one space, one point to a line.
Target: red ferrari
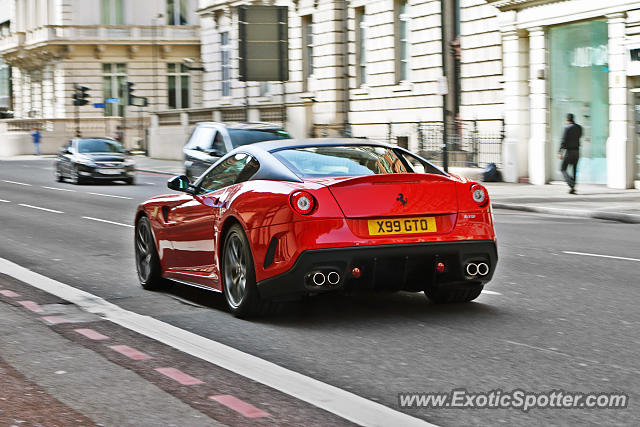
277 220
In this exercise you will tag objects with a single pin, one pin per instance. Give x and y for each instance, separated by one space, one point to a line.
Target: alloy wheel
144 253
235 270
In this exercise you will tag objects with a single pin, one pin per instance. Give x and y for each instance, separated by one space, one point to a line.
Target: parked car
279 220
211 140
94 159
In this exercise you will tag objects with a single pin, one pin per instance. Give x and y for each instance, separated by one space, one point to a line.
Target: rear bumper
392 267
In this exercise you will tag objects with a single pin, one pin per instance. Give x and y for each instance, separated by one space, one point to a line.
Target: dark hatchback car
94 159
211 140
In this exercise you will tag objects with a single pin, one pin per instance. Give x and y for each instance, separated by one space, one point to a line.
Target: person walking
35 134
571 146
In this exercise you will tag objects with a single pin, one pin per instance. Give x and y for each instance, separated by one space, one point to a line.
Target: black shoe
572 191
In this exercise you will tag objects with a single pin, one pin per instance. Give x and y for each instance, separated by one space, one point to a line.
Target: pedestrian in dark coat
569 151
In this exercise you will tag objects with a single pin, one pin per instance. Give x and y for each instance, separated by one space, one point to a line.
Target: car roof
244 125
283 144
272 168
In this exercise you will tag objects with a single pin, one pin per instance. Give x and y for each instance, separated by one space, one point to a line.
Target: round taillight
302 202
479 195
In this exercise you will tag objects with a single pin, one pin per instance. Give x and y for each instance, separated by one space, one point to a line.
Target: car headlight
128 163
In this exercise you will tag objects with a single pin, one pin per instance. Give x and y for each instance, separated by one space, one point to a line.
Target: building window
178 86
225 51
5 87
307 46
361 46
114 82
265 88
112 12
402 41
176 12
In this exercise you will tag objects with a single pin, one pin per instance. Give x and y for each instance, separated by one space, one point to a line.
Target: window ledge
403 87
265 99
362 90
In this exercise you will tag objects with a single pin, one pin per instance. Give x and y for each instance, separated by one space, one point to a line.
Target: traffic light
80 95
130 94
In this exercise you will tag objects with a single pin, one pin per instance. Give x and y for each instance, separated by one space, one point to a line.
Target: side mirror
64 150
179 183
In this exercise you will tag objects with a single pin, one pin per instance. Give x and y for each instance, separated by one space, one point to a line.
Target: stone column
539 155
620 143
48 97
515 60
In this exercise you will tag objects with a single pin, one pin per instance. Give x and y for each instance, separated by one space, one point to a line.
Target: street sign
99 105
263 43
111 100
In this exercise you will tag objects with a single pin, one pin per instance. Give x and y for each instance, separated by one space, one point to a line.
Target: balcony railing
101 34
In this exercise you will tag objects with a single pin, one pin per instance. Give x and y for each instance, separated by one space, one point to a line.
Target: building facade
366 68
573 56
51 45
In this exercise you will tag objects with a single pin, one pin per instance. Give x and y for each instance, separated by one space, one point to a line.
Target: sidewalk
592 201
47 379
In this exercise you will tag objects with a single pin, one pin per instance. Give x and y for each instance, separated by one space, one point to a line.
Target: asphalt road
553 320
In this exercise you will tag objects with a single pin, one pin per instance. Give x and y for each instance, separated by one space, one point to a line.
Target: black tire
76 179
130 180
147 260
239 277
454 294
59 177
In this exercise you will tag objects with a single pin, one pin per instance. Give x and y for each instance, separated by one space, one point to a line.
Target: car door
196 151
64 159
192 226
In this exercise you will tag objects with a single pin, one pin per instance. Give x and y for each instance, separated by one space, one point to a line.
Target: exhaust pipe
472 269
318 279
333 278
483 269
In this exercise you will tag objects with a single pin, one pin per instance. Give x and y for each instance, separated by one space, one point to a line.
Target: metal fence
466 145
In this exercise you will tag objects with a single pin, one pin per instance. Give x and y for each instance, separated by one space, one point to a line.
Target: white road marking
4 201
39 208
108 222
330 398
602 256
57 189
491 292
111 195
18 183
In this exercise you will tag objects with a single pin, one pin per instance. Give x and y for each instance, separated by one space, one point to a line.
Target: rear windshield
356 160
243 137
99 146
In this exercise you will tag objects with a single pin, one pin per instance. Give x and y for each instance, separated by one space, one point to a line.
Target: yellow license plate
425 224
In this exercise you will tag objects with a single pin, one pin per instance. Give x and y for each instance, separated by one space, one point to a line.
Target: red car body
287 247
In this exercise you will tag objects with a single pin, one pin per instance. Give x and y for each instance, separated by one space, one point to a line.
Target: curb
582 213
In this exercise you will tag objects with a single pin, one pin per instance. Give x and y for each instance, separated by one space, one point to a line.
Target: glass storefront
637 133
579 84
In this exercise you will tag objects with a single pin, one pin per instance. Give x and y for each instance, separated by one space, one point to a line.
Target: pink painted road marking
54 320
35 307
91 334
131 353
240 406
8 293
179 376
